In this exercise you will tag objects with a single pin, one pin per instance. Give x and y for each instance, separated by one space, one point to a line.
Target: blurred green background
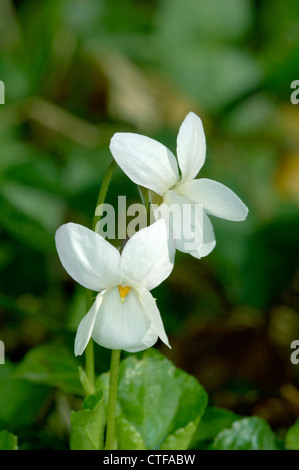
76 72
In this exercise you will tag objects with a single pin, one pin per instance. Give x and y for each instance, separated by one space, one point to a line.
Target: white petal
159 212
191 146
145 161
87 257
149 339
217 199
120 325
209 241
153 313
145 260
86 325
185 221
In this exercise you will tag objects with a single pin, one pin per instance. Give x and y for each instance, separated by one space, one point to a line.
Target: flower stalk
89 351
111 438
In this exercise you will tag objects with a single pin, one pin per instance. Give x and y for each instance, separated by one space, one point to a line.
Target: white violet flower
124 314
150 164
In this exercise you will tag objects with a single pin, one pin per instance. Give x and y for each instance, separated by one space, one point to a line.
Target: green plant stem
111 440
103 191
89 364
89 350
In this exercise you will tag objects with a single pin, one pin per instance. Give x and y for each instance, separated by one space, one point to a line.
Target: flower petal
151 309
120 325
145 161
149 339
185 222
87 257
191 146
145 260
86 325
209 241
217 199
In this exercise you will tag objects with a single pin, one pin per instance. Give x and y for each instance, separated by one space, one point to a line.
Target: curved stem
89 350
103 191
111 440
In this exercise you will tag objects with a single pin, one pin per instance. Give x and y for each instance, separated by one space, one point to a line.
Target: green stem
89 350
103 191
89 364
111 440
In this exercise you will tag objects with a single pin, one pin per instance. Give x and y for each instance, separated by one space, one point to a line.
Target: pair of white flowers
124 314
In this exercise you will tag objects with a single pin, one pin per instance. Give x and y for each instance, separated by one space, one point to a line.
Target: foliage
102 67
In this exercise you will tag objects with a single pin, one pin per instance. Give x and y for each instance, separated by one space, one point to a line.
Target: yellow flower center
123 291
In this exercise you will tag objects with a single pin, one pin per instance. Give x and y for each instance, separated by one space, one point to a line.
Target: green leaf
246 434
181 438
186 21
53 365
87 425
8 441
21 401
24 229
204 36
128 436
292 437
43 207
161 403
212 422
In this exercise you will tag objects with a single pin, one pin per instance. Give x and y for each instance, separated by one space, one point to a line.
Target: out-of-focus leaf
163 403
43 24
198 69
24 229
212 422
292 437
251 116
34 171
8 441
21 401
38 205
53 365
206 64
214 21
246 434
87 425
271 260
280 50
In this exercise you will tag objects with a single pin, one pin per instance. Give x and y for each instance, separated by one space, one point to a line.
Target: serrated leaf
128 436
8 441
246 434
292 437
87 425
181 438
158 400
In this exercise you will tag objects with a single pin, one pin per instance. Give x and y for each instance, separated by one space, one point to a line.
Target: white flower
124 314
150 164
